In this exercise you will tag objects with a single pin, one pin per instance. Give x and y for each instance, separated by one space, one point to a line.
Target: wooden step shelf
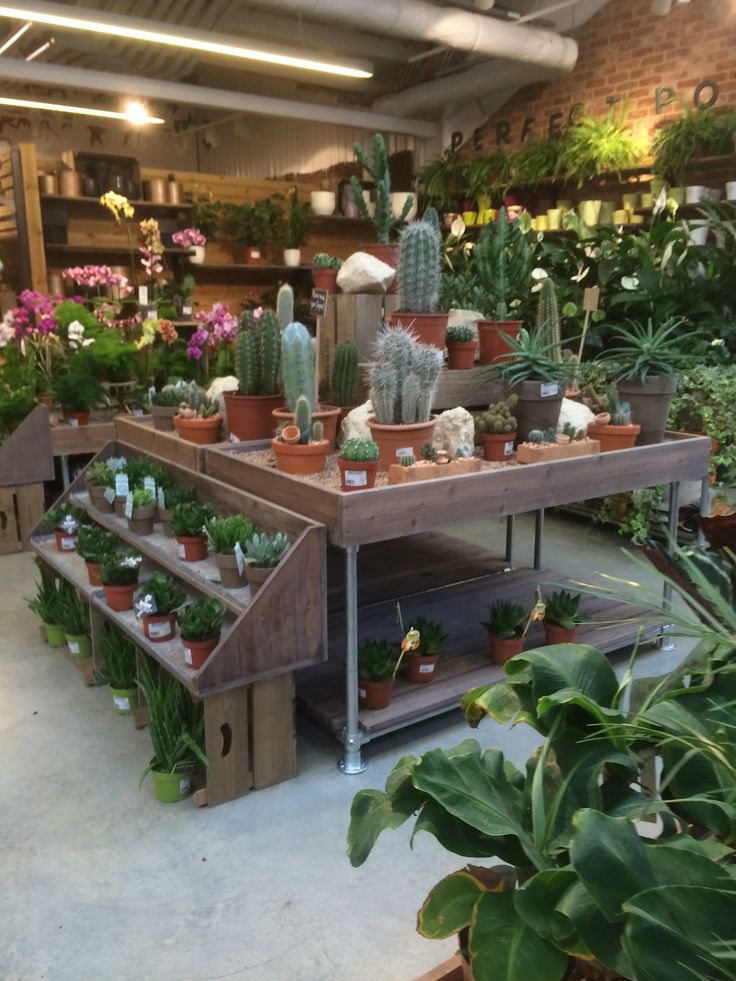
26 462
139 431
69 440
93 203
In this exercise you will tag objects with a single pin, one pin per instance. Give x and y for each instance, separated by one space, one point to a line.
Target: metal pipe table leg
510 539
65 480
704 507
667 643
352 738
538 536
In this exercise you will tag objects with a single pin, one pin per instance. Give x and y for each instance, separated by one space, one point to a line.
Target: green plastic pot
171 787
125 700
80 646
55 635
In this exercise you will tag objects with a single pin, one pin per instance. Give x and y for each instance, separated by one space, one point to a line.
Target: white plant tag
161 498
149 484
73 423
239 558
73 646
361 692
121 485
184 784
129 506
143 296
233 438
508 448
68 544
182 551
187 656
109 495
405 450
159 629
426 668
356 478
138 412
549 390
121 702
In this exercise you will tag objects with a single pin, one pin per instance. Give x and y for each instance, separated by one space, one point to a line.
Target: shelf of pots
420 270
227 572
325 268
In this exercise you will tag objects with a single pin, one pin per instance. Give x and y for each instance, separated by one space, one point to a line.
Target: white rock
363 273
576 413
455 427
457 318
228 383
355 423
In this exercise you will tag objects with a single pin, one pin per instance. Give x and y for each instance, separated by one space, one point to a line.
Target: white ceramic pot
694 193
292 257
398 200
712 194
698 232
197 256
323 202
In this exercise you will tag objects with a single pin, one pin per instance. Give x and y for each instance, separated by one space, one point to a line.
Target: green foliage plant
382 220
252 224
178 494
76 392
189 518
167 593
176 723
697 132
501 268
420 266
118 654
201 620
168 397
94 542
15 405
432 638
48 601
323 260
143 498
638 352
205 214
121 567
531 360
74 612
359 450
224 533
344 374
265 551
704 403
403 377
593 146
71 514
536 161
562 608
376 661
293 222
506 620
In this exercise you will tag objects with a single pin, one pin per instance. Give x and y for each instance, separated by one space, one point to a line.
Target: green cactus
550 435
384 393
318 431
464 451
499 418
432 218
403 378
268 346
383 219
407 460
569 430
411 391
359 450
303 418
548 320
285 306
344 380
535 436
503 261
622 416
420 267
428 452
246 363
297 360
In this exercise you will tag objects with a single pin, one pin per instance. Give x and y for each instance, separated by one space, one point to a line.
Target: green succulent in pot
167 594
506 619
224 533
120 567
94 543
323 260
188 518
377 661
562 608
265 551
47 603
201 620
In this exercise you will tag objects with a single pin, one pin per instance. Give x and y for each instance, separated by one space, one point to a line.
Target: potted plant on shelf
252 224
168 499
420 268
47 604
119 572
141 511
301 448
358 463
262 554
205 214
258 366
75 621
100 479
497 430
66 520
613 428
119 655
176 727
187 524
198 419
591 147
377 666
505 626
344 378
156 603
292 226
93 543
200 624
403 381
194 240
164 405
77 394
227 538
461 347
423 644
697 133
536 378
325 268
561 617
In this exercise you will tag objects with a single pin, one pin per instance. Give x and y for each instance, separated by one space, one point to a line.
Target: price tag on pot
73 423
109 494
73 647
239 558
128 512
149 484
162 629
426 668
184 784
508 448
121 485
361 693
356 478
68 544
549 390
187 656
233 438
182 551
143 296
404 451
121 702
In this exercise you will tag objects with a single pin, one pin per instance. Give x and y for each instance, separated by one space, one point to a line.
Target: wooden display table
69 441
25 463
139 431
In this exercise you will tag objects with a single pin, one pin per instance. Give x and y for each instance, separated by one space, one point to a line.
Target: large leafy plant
639 352
697 132
176 723
593 146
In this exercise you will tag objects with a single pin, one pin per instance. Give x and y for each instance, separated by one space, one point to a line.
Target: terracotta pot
196 652
290 434
498 447
538 407
650 403
461 355
159 627
64 541
203 432
192 548
614 437
253 255
395 441
357 474
251 416
230 578
96 493
300 458
493 346
93 573
256 576
164 516
430 328
421 669
142 521
120 598
503 650
375 694
163 417
326 414
388 253
80 418
325 279
555 634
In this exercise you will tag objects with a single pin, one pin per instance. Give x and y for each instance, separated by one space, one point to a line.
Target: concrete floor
102 883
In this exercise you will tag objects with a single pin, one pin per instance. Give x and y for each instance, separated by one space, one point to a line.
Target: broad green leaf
499 701
373 811
714 850
462 839
449 906
573 696
503 948
536 903
568 666
600 935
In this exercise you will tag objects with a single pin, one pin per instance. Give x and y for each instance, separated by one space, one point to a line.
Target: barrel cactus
407 460
359 450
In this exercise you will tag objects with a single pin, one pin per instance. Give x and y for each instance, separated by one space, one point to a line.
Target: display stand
25 463
139 431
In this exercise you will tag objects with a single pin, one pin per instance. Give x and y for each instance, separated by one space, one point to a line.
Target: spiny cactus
344 378
246 364
464 451
502 260
297 359
536 436
318 431
460 334
420 261
303 418
359 450
432 218
622 416
499 418
411 391
385 393
596 402
285 306
428 452
572 431
382 219
403 378
258 355
548 320
407 460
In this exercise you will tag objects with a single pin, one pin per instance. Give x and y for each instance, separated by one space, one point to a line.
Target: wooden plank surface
25 456
32 233
30 506
273 723
10 540
72 440
474 388
227 745
449 970
138 431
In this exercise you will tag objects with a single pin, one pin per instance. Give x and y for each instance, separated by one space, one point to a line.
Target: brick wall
626 51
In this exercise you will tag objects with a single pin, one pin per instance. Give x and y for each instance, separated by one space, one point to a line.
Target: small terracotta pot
252 255
421 669
395 441
81 418
142 521
120 598
251 416
93 573
192 548
375 694
498 447
430 328
300 458
614 437
461 355
503 650
256 576
325 279
555 634
163 417
326 414
159 627
291 435
65 542
230 578
196 652
493 346
357 474
203 432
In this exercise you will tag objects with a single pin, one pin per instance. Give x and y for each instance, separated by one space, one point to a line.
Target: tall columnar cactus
285 306
344 374
297 360
403 379
384 393
548 320
383 219
318 431
411 391
303 418
420 261
246 363
268 345
502 261
431 217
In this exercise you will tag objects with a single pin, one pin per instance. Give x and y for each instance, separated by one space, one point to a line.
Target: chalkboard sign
318 303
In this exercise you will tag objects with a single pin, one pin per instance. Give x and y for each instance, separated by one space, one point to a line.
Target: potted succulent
344 378
119 572
614 429
254 225
422 645
461 347
164 405
497 430
141 511
420 270
561 617
176 727
119 655
262 554
227 538
402 380
100 478
156 603
536 378
325 268
66 520
292 226
301 448
93 543
47 604
200 624
168 498
505 626
198 419
75 621
77 393
258 366
187 524
377 666
358 463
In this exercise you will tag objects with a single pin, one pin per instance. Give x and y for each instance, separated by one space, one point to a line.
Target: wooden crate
69 440
138 431
25 462
474 388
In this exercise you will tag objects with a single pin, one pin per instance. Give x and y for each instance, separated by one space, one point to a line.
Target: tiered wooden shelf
26 461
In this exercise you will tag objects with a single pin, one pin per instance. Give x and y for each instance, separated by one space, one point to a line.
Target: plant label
137 412
426 668
73 423
182 552
184 785
361 693
128 506
318 303
121 485
508 448
68 544
187 656
160 630
591 296
161 498
239 558
356 478
121 702
143 296
73 646
404 451
149 484
109 495
233 438
549 390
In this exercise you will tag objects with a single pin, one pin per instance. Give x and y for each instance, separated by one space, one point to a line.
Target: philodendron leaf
568 666
499 701
536 901
462 839
373 811
449 906
503 948
600 935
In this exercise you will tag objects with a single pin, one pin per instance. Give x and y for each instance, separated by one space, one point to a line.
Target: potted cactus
325 268
118 654
420 271
497 430
301 448
262 554
377 666
200 624
187 523
119 576
93 543
157 601
613 427
561 617
422 645
163 408
543 446
141 511
461 347
227 538
358 463
198 419
344 378
505 626
257 365
169 497
536 378
403 381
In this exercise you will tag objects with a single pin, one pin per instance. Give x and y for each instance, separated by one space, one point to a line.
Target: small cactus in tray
318 432
428 452
407 460
498 418
359 450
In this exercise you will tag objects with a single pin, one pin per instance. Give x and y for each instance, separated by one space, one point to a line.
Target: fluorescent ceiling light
14 37
136 113
40 50
127 27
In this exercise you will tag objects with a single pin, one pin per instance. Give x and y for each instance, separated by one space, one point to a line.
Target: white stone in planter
220 386
363 273
355 423
576 413
455 427
457 318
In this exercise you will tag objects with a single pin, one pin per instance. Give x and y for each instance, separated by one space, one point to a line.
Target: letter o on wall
699 101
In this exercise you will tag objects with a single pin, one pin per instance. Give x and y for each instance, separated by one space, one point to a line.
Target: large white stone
455 427
457 318
355 423
576 413
363 273
220 386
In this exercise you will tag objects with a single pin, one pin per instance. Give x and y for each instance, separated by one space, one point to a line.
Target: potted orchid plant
194 240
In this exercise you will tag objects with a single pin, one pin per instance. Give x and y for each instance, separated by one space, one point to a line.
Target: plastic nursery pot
614 437
498 447
55 635
230 578
375 694
93 573
421 669
461 355
120 598
196 652
430 328
142 521
396 441
120 507
192 548
65 542
538 406
502 650
357 474
300 459
168 788
125 700
650 403
325 279
164 516
77 418
326 414
492 343
555 634
163 417
250 416
159 627
388 253
203 432
79 645
256 576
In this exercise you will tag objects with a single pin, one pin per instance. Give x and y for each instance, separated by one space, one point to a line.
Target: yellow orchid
118 204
